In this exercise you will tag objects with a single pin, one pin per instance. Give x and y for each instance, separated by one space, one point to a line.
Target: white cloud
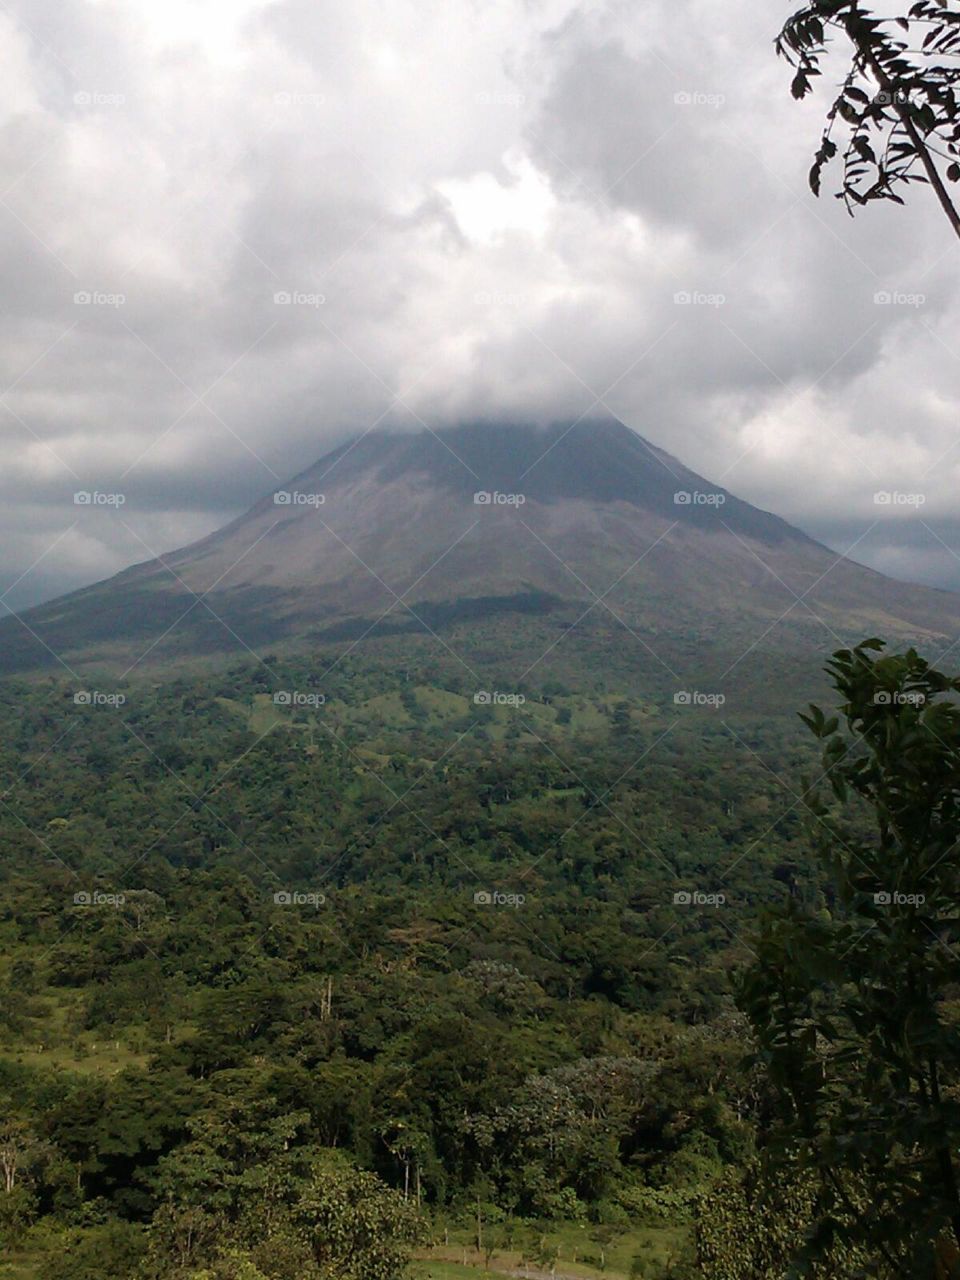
498 205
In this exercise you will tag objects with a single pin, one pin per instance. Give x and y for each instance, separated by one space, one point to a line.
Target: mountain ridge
583 513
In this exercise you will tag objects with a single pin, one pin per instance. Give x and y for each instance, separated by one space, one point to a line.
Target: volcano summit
396 532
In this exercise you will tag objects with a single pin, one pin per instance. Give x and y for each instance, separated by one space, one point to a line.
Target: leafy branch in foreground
855 1001
898 101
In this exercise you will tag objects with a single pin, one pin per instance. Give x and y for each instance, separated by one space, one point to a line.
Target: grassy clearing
20 1266
385 712
51 1040
574 1249
90 1057
446 1271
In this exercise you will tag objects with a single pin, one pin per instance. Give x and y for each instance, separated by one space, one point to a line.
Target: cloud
472 211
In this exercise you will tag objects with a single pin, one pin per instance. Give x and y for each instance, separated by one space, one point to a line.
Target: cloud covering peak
235 234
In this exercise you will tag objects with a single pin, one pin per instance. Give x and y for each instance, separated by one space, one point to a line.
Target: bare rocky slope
389 529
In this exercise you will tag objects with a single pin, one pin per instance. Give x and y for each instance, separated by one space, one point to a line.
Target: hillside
387 534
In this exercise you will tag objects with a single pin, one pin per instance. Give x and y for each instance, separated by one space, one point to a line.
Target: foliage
111 1251
855 1005
898 102
185 1048
315 1217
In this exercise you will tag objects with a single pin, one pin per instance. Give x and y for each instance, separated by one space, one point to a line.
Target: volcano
396 532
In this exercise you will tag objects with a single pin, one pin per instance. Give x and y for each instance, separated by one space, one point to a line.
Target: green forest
388 980
378 900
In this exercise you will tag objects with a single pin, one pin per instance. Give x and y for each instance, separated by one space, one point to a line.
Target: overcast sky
481 209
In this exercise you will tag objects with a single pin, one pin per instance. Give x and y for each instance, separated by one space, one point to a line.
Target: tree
16 1144
20 1153
110 1251
246 1195
898 101
854 1000
355 1227
750 1226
